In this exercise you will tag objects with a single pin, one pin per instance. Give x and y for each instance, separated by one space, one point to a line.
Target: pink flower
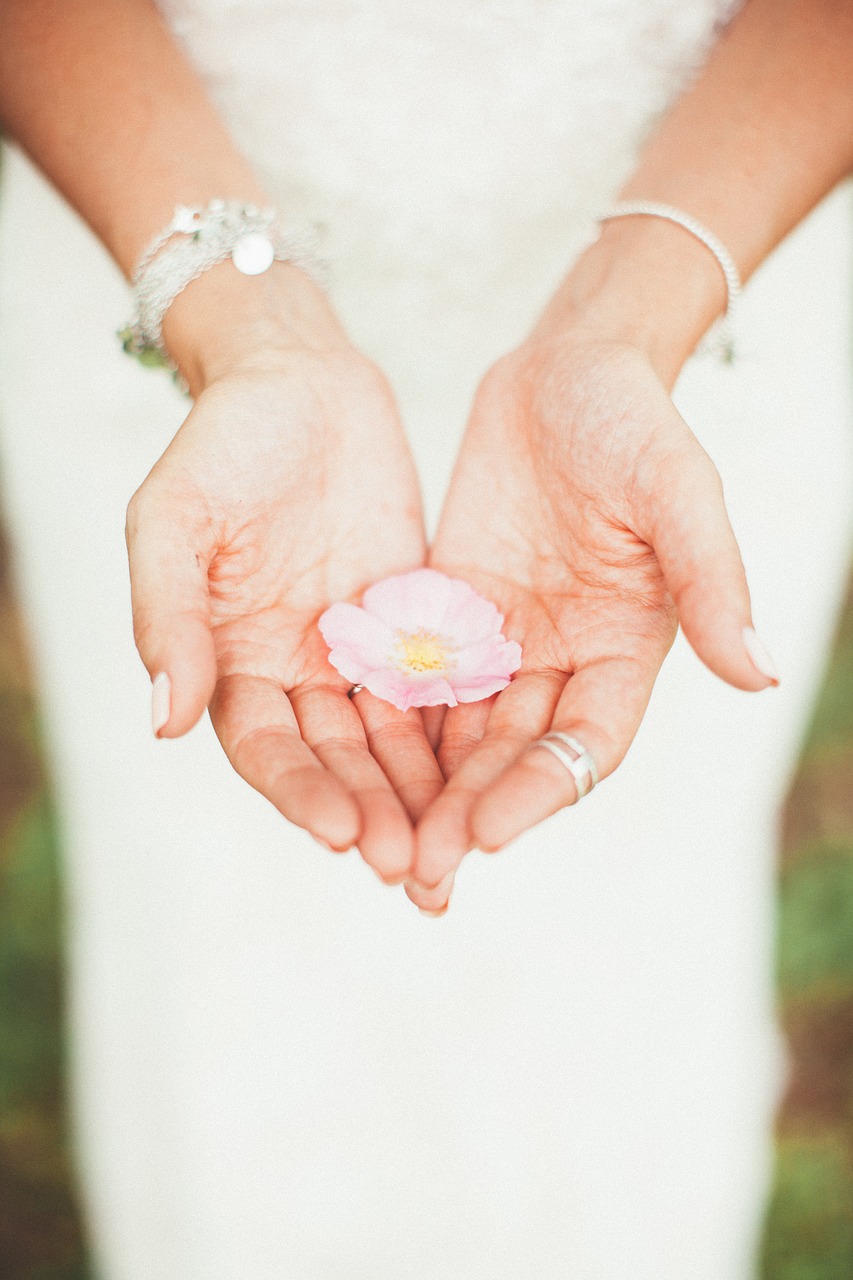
421 639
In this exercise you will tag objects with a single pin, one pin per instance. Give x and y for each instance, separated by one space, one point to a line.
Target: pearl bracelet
195 240
723 343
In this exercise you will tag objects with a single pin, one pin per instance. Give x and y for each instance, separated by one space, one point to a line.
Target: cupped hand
585 508
289 486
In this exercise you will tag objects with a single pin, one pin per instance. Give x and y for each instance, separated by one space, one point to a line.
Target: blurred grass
809 1224
809 1233
40 1233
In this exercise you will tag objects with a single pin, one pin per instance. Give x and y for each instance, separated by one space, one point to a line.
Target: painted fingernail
759 656
325 845
440 893
433 893
436 915
161 702
445 884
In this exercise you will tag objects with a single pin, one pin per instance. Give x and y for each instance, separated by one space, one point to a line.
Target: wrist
644 282
225 321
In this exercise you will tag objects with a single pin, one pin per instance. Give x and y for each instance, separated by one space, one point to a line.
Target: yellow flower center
421 651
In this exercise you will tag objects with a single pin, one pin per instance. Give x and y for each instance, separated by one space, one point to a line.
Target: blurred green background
40 1234
809 1227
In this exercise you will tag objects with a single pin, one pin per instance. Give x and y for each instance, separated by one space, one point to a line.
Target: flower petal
359 642
476 693
468 617
482 669
364 642
410 601
494 657
403 691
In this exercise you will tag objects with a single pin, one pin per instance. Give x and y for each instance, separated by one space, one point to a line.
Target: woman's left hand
585 508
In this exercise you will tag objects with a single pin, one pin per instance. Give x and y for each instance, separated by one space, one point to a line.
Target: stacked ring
574 757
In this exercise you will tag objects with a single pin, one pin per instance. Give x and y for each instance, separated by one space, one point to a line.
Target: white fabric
281 1070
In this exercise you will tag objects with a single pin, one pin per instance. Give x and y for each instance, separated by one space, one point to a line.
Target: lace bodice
395 121
451 154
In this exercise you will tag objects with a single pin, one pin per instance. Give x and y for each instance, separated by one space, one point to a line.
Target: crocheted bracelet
196 239
723 339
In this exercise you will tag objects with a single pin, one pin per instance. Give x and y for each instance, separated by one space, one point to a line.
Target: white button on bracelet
723 338
254 254
195 240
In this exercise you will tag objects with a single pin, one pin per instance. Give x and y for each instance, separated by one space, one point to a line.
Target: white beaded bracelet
195 240
724 339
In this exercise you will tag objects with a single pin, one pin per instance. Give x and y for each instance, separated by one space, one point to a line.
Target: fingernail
435 914
325 845
440 892
161 702
759 656
392 881
445 884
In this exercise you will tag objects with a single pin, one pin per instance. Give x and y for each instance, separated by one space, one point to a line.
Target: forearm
108 107
764 132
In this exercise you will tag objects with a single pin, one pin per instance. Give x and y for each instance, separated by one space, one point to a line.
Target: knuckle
133 515
145 631
141 511
400 734
711 476
494 383
369 381
335 744
460 740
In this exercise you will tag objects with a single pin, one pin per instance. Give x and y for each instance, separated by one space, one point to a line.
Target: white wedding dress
281 1071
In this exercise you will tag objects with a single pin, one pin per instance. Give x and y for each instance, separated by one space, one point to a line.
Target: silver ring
580 764
357 688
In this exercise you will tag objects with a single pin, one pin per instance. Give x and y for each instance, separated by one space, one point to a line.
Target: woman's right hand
288 487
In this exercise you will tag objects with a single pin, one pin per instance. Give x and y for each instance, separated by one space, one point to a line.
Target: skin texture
607 524
596 485
626 529
290 484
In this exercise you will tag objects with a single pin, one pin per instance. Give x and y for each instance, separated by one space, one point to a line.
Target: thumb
169 562
688 527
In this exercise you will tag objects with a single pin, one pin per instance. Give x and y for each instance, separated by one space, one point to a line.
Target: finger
332 727
521 713
433 719
258 729
169 561
601 706
463 729
431 902
695 545
399 744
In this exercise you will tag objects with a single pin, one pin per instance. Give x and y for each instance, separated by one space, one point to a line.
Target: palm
557 543
296 489
320 509
553 513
